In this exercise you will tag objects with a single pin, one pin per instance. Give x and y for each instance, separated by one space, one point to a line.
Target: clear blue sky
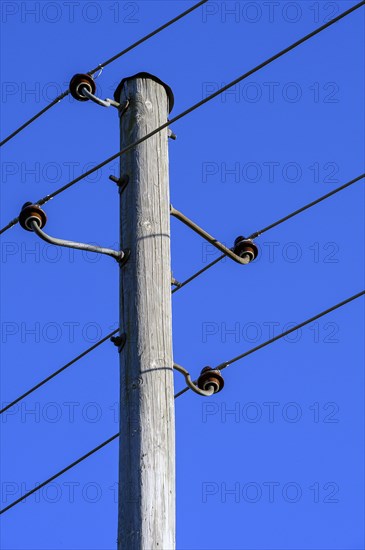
284 470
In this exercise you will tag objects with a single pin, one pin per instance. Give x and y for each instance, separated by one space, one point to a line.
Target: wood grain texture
146 512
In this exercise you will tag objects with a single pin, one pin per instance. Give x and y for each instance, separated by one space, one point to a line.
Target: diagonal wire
191 109
72 362
200 272
101 66
148 36
309 205
285 333
220 367
64 470
237 358
57 372
226 364
271 226
181 285
67 365
37 115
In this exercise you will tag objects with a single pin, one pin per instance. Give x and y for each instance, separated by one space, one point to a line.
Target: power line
220 367
55 476
296 212
148 36
271 226
190 110
285 333
57 372
37 115
9 225
73 361
181 285
187 281
101 66
270 60
226 364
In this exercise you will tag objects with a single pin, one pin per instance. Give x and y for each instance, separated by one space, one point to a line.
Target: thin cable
285 333
26 495
57 372
220 367
101 66
271 226
148 36
190 110
282 335
18 130
309 205
9 225
187 281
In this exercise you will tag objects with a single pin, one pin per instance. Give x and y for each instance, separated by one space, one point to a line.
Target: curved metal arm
191 384
70 244
103 102
227 251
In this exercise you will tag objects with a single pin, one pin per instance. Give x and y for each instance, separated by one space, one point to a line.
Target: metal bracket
126 256
34 225
227 251
123 107
103 102
209 382
122 182
176 283
119 341
192 385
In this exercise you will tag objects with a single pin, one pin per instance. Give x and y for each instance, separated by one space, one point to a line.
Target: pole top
169 92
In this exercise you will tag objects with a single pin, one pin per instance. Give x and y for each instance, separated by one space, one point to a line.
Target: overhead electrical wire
191 109
222 366
55 476
200 272
147 37
181 285
226 364
33 118
271 226
238 357
309 205
57 372
101 66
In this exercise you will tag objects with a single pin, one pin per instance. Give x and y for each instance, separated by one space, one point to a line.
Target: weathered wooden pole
146 511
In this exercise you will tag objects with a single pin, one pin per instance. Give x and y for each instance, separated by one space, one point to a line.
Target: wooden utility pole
146 511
